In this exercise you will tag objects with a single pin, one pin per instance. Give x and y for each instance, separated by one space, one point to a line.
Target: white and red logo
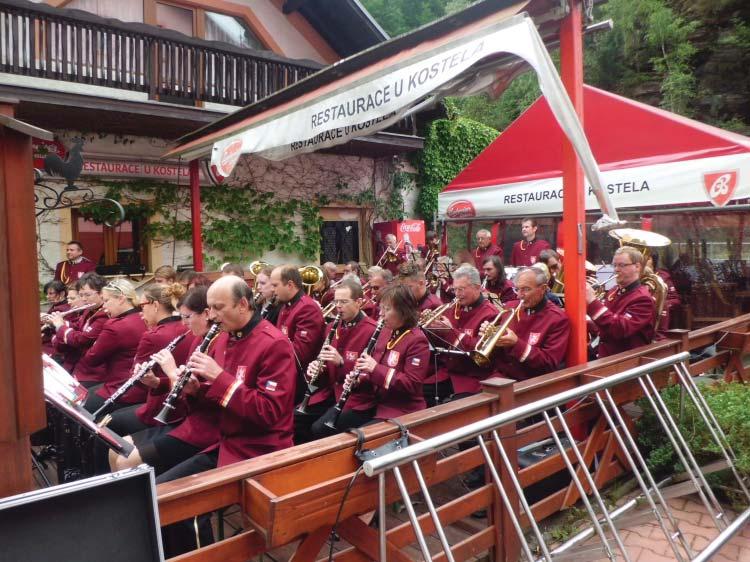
241 372
229 157
393 357
534 338
415 226
351 356
461 209
720 187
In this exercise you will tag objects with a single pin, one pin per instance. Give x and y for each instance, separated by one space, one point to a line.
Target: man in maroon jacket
537 337
251 374
625 320
73 268
460 330
378 280
300 319
485 248
393 255
526 252
349 340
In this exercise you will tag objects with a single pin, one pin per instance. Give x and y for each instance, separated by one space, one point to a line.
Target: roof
341 74
623 133
345 24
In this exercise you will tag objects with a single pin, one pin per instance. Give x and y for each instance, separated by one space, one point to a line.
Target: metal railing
602 524
44 42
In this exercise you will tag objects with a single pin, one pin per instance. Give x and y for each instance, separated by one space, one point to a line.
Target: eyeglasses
141 305
621 265
186 317
342 302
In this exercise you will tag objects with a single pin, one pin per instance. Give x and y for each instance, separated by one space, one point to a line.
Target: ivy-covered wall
268 210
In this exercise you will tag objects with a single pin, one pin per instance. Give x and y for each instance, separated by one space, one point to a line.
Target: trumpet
600 286
429 316
482 352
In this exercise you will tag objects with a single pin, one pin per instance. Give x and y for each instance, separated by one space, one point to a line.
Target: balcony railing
74 46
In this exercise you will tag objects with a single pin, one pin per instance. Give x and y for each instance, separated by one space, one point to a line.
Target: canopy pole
574 204
195 215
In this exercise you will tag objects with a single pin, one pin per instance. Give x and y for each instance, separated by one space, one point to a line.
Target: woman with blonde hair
158 305
111 356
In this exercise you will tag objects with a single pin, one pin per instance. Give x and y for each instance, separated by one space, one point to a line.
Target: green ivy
240 223
450 144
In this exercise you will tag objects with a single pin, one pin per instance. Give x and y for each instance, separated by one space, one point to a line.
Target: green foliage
450 144
730 403
238 222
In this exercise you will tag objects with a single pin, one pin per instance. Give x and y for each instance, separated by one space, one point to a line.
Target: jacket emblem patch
534 338
241 371
351 356
271 386
393 357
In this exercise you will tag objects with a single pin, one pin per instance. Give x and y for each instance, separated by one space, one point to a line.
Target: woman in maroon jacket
115 348
74 337
158 306
164 446
396 370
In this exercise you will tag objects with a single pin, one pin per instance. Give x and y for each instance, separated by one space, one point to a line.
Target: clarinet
130 383
311 388
169 402
339 407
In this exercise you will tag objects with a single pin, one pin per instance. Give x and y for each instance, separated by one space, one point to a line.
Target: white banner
381 98
716 181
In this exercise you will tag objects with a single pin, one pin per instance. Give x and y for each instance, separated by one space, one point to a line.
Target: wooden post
574 202
21 400
195 215
508 545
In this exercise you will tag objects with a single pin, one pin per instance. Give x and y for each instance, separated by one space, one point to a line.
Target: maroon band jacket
403 358
625 320
151 341
71 272
526 254
462 371
200 426
672 301
350 341
504 290
301 320
392 260
543 333
113 352
371 309
255 391
74 338
482 254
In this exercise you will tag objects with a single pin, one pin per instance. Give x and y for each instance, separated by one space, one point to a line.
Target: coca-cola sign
461 209
415 226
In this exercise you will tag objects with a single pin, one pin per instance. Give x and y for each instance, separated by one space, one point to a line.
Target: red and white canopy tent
649 159
479 49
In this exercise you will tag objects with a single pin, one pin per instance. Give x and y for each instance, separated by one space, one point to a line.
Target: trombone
482 352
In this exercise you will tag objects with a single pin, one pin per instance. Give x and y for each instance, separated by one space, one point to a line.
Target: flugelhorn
311 387
169 402
482 352
130 383
600 286
429 316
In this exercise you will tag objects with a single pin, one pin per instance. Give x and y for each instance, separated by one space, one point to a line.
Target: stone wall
299 177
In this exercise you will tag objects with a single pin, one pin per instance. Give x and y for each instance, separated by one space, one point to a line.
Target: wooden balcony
74 46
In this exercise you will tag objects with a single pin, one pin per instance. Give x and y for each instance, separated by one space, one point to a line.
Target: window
118 249
228 29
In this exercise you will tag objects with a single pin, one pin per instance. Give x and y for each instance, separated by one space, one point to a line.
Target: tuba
311 276
482 352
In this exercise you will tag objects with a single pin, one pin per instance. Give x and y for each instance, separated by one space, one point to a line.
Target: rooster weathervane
50 199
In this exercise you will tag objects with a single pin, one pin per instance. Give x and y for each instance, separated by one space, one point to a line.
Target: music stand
67 395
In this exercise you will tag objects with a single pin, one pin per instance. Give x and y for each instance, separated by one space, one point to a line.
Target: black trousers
437 393
347 420
125 422
184 536
303 422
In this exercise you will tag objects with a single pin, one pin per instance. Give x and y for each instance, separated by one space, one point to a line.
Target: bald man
250 377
